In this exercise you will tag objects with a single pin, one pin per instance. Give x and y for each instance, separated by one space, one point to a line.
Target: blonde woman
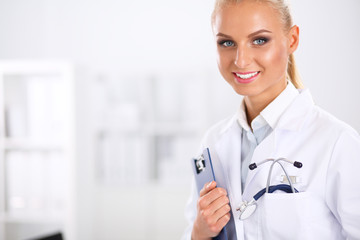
277 122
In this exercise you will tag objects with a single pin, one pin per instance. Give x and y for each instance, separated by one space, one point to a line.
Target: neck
255 104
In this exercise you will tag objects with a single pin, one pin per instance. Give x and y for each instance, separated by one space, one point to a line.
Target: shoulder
325 121
215 132
346 136
314 125
304 114
329 132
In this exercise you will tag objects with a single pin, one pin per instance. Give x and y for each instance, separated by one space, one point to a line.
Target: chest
312 150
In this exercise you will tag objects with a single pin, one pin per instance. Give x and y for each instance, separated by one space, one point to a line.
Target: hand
213 212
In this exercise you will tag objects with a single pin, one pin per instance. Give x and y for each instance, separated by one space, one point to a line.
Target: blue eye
260 41
227 43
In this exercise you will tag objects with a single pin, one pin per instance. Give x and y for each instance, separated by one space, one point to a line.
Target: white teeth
246 76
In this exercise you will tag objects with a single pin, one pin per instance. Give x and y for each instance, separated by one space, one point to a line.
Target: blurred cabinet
36 149
148 128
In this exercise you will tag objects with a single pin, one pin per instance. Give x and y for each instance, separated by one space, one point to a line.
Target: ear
293 38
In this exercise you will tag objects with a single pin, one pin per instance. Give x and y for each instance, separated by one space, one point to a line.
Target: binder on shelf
204 173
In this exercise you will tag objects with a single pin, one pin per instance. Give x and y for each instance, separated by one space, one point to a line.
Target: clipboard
204 173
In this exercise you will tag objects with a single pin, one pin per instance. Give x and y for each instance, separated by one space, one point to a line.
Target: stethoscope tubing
270 173
273 188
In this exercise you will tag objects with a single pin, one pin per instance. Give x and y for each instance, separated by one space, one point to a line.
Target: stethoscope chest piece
247 209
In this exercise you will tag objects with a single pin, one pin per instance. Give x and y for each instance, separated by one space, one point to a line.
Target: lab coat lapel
228 149
266 149
290 122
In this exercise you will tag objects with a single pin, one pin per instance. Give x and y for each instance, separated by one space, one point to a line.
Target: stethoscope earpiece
298 164
252 166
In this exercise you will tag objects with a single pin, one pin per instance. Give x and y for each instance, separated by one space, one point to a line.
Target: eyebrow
250 35
260 31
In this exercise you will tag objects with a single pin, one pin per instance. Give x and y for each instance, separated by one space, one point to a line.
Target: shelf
29 144
171 129
31 218
154 130
16 67
37 155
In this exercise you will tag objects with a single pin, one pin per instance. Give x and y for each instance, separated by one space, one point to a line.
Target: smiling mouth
246 75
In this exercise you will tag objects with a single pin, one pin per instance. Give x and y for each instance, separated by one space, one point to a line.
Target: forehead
246 17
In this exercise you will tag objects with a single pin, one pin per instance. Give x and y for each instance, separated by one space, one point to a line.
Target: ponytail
293 73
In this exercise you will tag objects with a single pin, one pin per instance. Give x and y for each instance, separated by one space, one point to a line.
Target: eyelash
262 39
221 43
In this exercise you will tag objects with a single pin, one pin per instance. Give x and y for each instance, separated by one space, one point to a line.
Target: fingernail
209 185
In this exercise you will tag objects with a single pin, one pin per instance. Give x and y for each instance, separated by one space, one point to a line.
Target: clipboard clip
199 164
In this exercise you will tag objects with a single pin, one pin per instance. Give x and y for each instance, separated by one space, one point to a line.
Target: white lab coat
328 206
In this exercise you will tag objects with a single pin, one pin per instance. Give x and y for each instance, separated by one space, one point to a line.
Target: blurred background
104 103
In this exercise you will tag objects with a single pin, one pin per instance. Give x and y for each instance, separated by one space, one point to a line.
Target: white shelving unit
148 128
37 148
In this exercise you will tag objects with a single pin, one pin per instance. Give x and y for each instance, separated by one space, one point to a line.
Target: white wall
328 54
113 38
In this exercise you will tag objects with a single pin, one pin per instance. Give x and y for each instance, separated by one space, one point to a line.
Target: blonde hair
286 19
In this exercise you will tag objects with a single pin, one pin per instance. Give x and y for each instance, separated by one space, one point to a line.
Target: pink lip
245 72
249 80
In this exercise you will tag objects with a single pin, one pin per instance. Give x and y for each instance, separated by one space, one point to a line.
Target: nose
243 57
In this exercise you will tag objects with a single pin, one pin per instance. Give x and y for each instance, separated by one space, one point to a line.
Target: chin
246 91
242 91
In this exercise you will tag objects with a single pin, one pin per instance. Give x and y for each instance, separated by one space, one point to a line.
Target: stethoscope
248 208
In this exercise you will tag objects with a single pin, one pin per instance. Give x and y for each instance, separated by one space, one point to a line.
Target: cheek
218 58
224 61
274 59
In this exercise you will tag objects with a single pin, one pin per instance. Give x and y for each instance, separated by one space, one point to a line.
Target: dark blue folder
204 173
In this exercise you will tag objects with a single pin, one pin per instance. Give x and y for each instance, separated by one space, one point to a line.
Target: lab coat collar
294 116
230 124
241 118
273 111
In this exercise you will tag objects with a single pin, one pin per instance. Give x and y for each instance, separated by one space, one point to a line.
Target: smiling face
253 49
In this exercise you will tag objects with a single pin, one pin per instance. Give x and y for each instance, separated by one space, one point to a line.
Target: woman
256 40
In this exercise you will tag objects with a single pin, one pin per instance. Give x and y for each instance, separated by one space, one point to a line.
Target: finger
223 221
207 187
220 224
221 212
218 204
210 197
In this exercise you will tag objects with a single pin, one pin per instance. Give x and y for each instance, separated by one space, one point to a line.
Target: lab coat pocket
284 215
